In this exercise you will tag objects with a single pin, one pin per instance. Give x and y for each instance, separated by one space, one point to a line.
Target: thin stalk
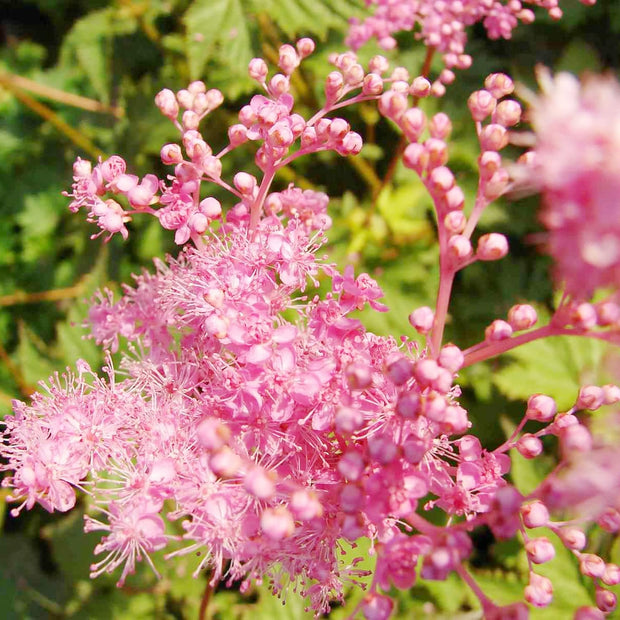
49 92
48 114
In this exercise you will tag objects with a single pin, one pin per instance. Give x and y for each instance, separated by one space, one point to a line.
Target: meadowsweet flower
576 165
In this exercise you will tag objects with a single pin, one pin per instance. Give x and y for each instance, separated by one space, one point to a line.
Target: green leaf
87 42
217 27
33 361
554 366
315 16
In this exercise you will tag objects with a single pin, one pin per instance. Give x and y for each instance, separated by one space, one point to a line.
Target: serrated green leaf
217 26
554 366
314 16
87 43
33 362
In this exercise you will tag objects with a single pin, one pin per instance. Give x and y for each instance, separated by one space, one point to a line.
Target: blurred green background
118 55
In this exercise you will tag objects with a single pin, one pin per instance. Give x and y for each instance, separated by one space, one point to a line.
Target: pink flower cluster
441 25
257 423
576 166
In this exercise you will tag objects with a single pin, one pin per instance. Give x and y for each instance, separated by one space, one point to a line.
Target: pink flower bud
408 404
434 406
608 313
348 420
237 134
288 59
572 538
522 316
489 162
541 408
575 438
591 565
605 600
421 319
82 168
260 483
452 200
529 446
611 576
440 180
167 103
277 523
507 113
492 246
200 104
539 591
377 607
420 87
609 520
584 316
225 462
215 98
378 64
493 137
279 84
590 397
539 550
359 375
185 98
437 152
354 75
351 498
399 370
171 154
535 514
112 168
382 449
393 104
611 394
589 613
498 330
305 46
372 85
416 157
499 85
440 126
447 76
305 505
438 89
451 358
414 449
351 144
455 420
333 85
481 104
412 122
459 248
245 183
455 222
351 465
426 372
190 120
210 207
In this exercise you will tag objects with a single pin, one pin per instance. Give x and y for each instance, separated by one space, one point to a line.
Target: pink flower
577 167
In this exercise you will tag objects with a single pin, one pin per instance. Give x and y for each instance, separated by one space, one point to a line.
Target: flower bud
481 104
539 591
522 316
535 514
277 523
590 397
539 550
421 319
541 408
492 246
420 87
529 446
498 330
